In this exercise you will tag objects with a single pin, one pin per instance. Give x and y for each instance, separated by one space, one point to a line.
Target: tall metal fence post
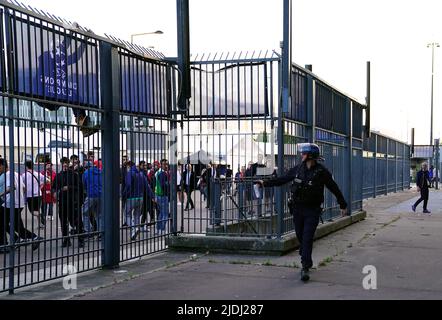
437 146
183 48
11 125
395 166
286 71
386 167
173 151
403 167
349 111
375 180
311 109
110 97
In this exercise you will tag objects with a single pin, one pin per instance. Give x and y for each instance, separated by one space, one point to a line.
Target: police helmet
311 149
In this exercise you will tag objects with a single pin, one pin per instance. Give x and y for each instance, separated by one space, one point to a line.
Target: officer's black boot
305 274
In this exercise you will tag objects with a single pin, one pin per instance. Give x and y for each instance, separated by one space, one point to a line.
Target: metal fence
232 124
386 164
227 137
88 124
322 114
79 114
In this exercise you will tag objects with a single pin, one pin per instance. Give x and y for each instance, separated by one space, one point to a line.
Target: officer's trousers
306 221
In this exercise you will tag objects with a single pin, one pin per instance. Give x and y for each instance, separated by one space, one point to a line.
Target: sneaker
36 244
19 241
427 211
135 234
42 225
50 218
305 274
413 207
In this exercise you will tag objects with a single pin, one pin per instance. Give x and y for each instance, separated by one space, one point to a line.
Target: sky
337 37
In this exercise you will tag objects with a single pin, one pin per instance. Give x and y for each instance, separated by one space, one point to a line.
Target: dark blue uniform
423 182
307 196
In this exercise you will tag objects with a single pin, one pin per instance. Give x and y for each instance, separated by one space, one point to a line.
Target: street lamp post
432 45
132 36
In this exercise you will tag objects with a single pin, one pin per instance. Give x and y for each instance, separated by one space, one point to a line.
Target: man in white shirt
17 186
33 181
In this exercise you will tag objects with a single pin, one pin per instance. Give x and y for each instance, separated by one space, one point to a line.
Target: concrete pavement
405 248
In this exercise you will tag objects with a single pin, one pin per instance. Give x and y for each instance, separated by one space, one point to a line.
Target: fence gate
227 140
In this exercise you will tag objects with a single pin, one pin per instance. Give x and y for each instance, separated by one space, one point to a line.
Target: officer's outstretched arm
333 187
276 182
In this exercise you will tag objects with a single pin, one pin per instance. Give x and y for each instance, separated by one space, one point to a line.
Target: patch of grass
241 262
268 263
326 261
292 265
212 261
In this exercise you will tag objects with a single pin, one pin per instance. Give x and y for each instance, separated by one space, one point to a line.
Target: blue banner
143 86
54 66
2 54
233 91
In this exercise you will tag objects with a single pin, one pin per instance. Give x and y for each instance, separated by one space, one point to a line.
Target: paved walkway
405 248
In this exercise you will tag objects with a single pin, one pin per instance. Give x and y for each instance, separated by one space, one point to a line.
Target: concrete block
254 245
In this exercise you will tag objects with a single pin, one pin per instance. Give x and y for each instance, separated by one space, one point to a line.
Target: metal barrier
227 137
324 115
386 164
233 118
88 124
73 105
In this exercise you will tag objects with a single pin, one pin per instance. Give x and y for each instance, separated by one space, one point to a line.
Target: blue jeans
204 192
92 206
306 221
47 208
163 203
133 212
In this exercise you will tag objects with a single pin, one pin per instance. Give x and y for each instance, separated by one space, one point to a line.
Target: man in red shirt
48 200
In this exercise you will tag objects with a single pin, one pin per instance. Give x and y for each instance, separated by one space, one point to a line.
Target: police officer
307 195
